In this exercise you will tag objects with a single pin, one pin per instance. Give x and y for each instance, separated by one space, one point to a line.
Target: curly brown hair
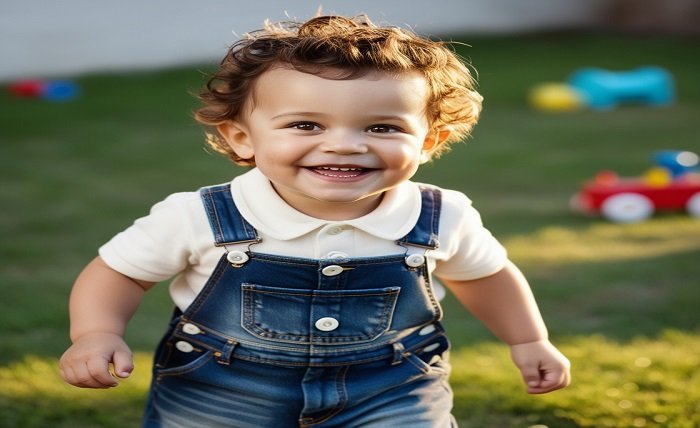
350 47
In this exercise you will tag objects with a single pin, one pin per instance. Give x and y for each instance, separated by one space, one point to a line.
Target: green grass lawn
621 300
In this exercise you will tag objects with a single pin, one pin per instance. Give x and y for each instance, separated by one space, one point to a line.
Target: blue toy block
60 90
677 162
605 89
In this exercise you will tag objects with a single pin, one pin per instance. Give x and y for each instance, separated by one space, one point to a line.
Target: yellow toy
556 97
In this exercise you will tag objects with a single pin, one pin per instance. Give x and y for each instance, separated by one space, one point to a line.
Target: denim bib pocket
179 363
293 315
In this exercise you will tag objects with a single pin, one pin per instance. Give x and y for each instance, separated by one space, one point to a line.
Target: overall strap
226 222
425 232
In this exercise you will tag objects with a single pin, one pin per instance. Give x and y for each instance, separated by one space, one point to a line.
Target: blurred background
96 126
45 38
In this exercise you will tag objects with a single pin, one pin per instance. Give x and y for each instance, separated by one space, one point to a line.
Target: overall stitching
341 391
323 349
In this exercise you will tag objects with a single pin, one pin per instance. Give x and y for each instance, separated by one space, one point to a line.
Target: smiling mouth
340 171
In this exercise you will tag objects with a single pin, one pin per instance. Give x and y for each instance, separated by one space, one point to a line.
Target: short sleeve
467 249
157 246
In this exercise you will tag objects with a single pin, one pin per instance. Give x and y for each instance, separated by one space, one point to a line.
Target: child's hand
86 363
543 367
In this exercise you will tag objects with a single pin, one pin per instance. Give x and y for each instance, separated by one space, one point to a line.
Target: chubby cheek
276 155
277 165
281 152
401 157
269 165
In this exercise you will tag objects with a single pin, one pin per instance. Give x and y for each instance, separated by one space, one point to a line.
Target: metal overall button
427 330
332 270
415 260
191 329
327 324
183 346
432 347
237 257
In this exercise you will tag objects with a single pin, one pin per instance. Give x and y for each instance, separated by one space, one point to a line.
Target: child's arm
101 303
505 304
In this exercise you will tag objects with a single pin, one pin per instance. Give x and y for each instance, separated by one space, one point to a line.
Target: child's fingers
543 367
86 375
531 375
550 380
78 373
68 375
123 363
87 362
561 380
99 375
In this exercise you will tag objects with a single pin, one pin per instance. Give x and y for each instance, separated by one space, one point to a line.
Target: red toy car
663 188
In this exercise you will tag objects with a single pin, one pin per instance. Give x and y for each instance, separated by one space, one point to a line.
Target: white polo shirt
175 238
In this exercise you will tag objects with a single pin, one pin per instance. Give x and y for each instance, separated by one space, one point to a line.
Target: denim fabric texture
275 341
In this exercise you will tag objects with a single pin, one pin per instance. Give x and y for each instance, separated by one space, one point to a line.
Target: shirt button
332 270
184 346
237 257
336 255
334 230
415 260
327 324
191 329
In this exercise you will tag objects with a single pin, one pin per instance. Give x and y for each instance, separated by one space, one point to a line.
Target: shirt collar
266 211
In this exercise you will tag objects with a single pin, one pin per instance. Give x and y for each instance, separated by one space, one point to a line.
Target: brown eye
382 129
305 126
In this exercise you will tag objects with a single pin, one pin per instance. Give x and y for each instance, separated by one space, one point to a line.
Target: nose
344 142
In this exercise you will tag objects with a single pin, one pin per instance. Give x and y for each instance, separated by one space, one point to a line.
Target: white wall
54 38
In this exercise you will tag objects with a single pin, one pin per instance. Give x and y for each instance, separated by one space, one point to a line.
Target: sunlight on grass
643 383
607 241
131 131
33 395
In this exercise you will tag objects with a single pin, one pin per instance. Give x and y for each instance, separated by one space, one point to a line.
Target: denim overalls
283 342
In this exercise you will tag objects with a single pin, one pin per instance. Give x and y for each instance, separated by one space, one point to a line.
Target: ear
434 139
237 136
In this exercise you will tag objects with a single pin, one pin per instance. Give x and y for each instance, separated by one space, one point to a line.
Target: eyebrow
377 118
380 118
299 113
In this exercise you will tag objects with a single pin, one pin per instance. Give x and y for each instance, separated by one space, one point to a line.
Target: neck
333 211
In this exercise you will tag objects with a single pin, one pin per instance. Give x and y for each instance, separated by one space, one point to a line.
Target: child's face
331 148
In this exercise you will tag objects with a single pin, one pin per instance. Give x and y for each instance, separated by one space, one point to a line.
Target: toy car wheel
627 208
693 205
